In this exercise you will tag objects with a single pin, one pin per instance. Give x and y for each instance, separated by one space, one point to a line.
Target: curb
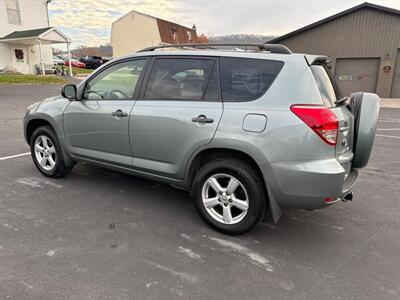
390 103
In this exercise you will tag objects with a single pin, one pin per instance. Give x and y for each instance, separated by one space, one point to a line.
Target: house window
19 55
13 13
173 32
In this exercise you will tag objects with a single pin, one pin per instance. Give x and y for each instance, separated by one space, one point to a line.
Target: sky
88 22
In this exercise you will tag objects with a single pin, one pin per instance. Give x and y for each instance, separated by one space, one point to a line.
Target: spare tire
365 109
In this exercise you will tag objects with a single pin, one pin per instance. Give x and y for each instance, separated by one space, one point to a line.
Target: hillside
241 38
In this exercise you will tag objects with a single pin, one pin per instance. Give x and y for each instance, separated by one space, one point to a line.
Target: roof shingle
25 33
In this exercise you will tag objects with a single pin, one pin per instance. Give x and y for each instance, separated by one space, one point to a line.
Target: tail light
320 119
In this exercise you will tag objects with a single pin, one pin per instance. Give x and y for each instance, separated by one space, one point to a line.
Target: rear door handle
202 119
119 113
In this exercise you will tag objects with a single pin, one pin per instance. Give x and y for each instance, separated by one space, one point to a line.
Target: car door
96 126
177 112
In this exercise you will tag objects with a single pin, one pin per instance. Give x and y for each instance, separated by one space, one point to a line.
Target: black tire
250 180
59 169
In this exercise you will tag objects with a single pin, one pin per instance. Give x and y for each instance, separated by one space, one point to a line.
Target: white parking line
389 136
389 120
14 156
388 129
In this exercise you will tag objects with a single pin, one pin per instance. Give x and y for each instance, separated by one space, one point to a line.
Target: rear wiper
341 101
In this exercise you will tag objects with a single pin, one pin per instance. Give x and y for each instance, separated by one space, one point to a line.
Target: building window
189 34
13 13
173 32
19 55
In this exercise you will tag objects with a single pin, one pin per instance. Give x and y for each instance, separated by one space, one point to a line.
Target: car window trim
151 66
138 84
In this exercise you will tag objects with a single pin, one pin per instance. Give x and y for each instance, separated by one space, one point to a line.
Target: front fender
51 111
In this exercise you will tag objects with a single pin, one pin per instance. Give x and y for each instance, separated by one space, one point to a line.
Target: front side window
13 13
182 79
245 79
117 82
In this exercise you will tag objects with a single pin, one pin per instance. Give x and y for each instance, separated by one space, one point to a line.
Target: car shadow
175 206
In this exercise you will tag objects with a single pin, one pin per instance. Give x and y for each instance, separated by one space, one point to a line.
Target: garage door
357 74
396 78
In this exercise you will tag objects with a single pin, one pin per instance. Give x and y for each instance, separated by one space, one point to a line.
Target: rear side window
245 79
182 79
325 85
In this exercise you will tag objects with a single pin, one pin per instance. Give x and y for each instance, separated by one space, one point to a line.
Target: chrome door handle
202 119
119 113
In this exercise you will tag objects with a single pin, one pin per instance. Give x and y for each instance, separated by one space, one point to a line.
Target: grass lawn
76 70
38 79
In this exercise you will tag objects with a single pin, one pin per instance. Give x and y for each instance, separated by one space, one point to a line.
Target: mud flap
274 212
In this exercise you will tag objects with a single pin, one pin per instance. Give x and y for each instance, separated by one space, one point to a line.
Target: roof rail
272 48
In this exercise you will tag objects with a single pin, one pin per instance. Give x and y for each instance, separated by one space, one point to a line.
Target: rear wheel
229 195
47 154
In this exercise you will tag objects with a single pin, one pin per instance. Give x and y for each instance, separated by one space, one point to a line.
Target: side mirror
69 91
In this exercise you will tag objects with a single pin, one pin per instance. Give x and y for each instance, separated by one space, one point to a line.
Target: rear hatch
331 96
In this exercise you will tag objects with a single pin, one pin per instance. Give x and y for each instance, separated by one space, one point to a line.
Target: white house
26 36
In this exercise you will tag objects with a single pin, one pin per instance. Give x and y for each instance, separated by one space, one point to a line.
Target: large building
364 44
135 30
26 36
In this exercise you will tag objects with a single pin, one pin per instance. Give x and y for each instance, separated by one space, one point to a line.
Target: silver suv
246 129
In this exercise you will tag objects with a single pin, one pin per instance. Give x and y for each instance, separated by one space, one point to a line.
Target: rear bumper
349 182
307 184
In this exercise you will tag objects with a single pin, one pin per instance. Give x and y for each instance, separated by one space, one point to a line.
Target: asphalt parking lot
96 234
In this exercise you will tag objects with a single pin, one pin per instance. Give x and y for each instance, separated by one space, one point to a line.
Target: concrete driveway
97 234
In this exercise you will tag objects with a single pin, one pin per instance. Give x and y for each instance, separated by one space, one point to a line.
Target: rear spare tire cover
365 109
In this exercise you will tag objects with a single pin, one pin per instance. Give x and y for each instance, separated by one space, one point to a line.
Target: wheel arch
209 154
34 123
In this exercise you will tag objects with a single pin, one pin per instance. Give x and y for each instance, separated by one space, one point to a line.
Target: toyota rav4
248 130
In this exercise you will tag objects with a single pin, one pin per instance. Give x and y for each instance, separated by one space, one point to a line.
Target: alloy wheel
45 152
225 198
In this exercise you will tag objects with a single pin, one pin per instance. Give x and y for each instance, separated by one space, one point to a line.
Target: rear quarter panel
287 144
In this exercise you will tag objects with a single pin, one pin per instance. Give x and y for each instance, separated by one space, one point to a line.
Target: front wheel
229 195
47 154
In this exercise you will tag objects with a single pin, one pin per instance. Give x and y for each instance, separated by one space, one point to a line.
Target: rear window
245 79
326 86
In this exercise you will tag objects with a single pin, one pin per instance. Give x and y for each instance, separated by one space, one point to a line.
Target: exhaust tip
348 197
